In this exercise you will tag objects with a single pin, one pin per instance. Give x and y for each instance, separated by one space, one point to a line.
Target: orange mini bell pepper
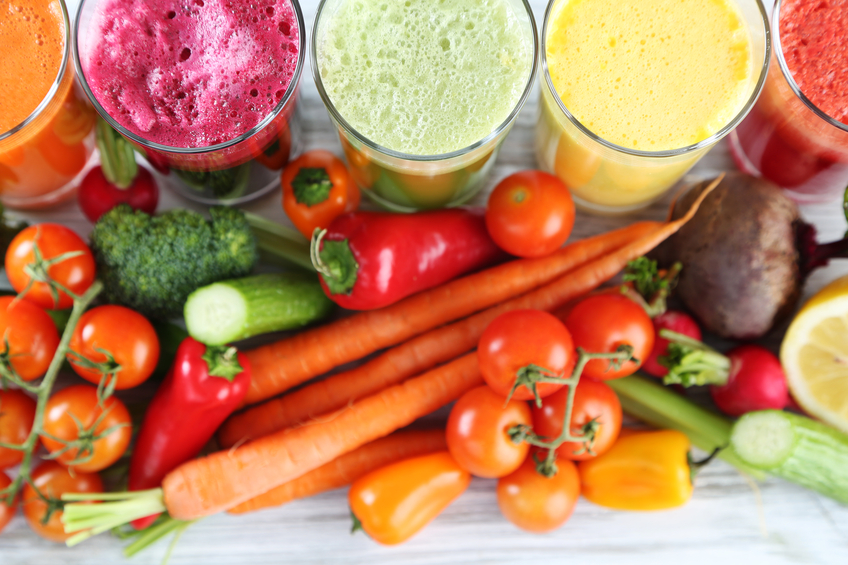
641 471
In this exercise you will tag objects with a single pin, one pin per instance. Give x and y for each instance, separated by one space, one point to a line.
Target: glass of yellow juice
635 92
422 93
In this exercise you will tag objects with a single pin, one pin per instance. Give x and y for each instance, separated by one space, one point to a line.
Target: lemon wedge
814 355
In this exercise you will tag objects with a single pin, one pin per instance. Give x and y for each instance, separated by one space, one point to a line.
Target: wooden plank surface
724 522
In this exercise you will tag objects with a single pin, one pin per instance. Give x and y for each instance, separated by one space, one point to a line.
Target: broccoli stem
280 242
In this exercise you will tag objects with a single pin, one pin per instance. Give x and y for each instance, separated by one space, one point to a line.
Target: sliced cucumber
796 448
232 310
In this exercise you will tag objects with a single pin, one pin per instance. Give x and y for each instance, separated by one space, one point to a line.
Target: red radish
748 378
755 382
97 195
670 320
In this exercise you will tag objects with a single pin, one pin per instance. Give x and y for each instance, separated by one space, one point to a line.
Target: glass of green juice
423 92
635 92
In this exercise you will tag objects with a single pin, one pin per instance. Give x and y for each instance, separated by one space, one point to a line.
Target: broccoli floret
152 263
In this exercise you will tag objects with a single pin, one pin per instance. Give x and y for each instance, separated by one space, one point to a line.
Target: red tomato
593 400
395 502
537 503
477 433
317 188
530 214
601 323
676 322
125 334
6 512
52 481
81 401
518 339
17 413
31 336
76 273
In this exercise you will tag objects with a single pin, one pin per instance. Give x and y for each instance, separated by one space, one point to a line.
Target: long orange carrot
426 350
349 467
279 366
228 478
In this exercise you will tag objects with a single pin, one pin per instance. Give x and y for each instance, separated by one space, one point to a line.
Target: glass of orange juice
634 92
46 126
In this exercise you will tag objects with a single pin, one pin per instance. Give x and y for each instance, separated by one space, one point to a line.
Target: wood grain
722 524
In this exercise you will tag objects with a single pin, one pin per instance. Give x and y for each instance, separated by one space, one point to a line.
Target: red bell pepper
204 386
368 260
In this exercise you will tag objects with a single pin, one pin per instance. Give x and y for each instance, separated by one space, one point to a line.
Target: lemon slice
814 354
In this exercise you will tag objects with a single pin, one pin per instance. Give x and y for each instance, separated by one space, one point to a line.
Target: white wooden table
723 523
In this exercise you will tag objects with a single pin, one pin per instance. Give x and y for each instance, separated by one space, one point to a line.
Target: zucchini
795 448
236 309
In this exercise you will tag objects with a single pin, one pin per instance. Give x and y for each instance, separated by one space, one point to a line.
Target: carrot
349 467
228 478
289 362
426 350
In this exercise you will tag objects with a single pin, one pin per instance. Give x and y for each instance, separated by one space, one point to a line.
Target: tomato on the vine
530 214
317 188
17 414
75 273
536 503
127 337
52 481
521 344
31 337
105 433
596 407
603 322
477 433
7 512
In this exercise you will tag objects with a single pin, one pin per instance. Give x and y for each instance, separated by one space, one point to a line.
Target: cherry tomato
601 323
537 503
530 214
395 502
82 402
125 334
516 340
17 413
593 400
477 433
75 273
31 336
6 512
676 322
317 188
52 481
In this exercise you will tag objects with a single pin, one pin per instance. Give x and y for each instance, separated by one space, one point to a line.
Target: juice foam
651 75
32 43
191 73
814 40
424 77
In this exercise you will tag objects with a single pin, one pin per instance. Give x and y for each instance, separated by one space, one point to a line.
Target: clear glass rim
278 109
787 74
704 143
48 98
334 113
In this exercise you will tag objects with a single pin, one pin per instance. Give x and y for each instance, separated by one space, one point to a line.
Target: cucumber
236 309
796 448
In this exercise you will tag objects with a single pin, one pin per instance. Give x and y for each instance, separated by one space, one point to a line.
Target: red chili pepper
369 260
204 386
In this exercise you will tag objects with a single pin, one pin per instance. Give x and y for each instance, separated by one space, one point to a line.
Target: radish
748 378
670 320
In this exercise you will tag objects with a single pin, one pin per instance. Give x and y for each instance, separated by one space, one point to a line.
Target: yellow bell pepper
641 471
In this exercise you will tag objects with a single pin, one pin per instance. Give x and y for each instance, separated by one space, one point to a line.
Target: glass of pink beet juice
797 134
206 89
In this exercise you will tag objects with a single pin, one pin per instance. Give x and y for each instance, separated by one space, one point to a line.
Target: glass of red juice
797 134
206 90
